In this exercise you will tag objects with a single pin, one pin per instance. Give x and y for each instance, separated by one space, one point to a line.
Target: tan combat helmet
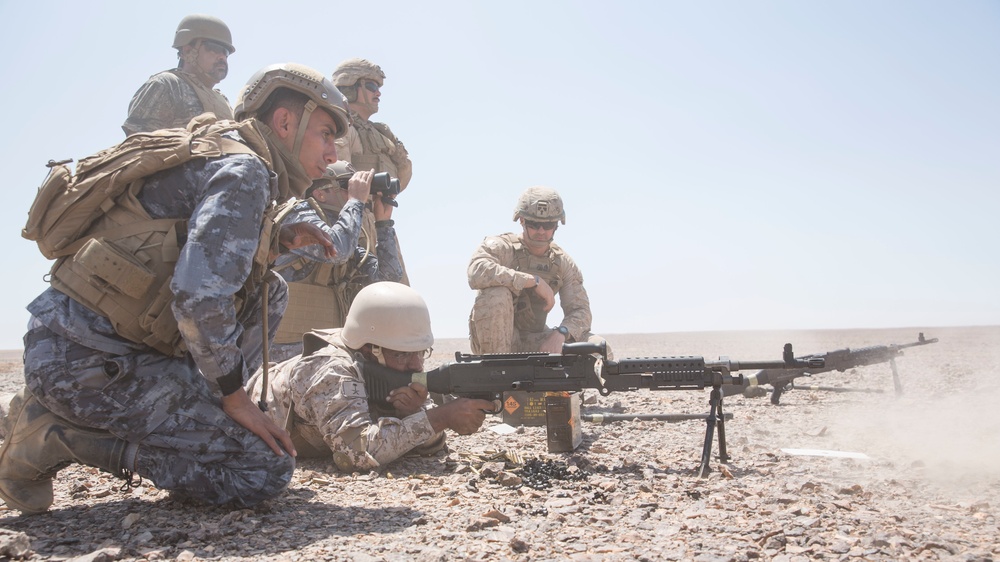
200 26
351 70
389 315
541 204
347 74
255 94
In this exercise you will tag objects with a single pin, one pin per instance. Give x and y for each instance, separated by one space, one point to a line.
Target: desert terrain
822 476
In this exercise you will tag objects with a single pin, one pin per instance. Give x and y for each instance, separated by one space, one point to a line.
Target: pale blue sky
725 165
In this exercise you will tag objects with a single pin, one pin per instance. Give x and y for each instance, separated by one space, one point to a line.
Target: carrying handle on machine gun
807 362
586 348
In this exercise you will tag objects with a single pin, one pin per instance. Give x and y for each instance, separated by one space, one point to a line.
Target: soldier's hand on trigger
408 400
467 414
360 185
543 290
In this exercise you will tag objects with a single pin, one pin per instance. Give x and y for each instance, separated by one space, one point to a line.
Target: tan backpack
111 256
67 204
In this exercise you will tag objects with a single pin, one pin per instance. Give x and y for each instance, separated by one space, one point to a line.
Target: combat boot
39 444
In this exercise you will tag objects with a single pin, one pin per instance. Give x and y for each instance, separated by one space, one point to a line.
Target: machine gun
582 365
837 360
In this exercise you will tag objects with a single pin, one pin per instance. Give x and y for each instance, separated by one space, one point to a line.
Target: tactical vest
376 141
123 263
211 100
529 308
322 299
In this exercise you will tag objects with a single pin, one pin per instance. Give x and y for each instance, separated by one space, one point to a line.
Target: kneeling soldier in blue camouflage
321 399
169 405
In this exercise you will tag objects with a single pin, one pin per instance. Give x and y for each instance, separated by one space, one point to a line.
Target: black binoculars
385 183
381 182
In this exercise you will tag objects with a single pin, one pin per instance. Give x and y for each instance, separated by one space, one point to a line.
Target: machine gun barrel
836 360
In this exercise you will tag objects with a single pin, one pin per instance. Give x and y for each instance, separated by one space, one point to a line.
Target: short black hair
283 97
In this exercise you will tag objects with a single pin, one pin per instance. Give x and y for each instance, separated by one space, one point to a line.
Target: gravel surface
929 488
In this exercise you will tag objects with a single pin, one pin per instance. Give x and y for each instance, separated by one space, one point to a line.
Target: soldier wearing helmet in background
517 277
170 99
319 294
369 145
321 397
174 410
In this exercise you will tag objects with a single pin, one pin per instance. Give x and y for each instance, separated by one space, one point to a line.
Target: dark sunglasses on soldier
371 86
541 225
215 46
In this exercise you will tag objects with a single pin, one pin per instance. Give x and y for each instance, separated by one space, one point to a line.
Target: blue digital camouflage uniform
332 411
80 369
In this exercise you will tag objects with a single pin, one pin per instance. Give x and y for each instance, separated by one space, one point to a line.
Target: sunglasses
371 86
541 225
215 47
404 356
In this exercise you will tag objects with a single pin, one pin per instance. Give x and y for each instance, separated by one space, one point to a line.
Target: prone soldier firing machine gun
837 360
489 376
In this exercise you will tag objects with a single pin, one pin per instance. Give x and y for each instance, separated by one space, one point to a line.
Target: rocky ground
929 488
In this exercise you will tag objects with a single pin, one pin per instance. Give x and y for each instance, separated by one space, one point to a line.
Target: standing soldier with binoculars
370 145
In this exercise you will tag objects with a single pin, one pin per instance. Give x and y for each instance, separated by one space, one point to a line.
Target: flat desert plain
822 476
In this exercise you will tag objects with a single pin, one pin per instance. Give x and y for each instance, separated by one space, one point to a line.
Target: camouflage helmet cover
542 204
201 26
350 71
389 315
296 77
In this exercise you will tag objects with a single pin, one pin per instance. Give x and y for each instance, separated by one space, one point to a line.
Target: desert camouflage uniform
170 99
344 280
168 406
508 316
332 410
370 145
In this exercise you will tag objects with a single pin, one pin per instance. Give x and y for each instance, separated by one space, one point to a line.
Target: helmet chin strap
303 125
377 352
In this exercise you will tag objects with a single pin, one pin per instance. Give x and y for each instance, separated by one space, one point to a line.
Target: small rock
14 544
495 514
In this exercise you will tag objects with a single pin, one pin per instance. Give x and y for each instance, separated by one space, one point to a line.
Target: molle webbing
376 146
122 264
547 267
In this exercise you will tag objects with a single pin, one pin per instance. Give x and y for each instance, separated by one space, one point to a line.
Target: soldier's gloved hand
408 400
299 234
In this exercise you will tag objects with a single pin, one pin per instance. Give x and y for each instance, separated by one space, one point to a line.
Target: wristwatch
564 331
